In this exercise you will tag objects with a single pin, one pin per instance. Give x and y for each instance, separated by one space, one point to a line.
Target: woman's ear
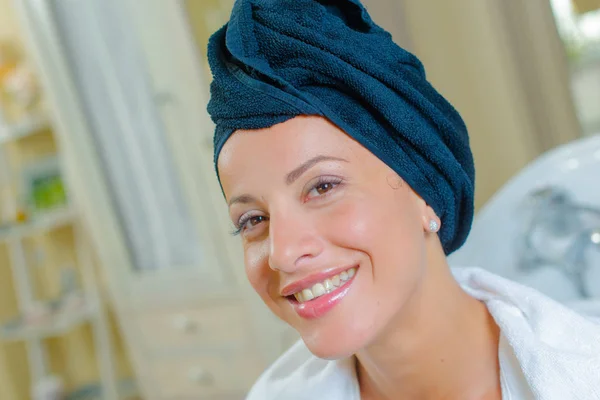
431 222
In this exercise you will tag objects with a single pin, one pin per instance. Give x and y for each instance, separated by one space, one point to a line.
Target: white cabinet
214 327
198 352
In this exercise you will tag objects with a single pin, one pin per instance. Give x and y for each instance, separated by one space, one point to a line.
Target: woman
349 180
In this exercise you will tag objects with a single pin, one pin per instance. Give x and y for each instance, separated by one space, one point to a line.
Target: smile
314 297
325 287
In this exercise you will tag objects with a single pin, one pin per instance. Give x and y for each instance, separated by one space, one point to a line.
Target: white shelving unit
57 325
24 128
44 223
60 318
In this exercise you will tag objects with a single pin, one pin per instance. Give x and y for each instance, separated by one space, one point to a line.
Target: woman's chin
331 348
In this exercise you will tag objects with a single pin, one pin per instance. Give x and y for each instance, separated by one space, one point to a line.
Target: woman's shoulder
299 375
557 347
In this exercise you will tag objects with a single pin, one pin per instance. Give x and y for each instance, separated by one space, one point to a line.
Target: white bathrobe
547 351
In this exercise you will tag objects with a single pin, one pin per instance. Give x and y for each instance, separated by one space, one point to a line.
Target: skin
414 332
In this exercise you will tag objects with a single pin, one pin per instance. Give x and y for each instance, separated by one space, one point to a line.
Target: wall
468 62
584 6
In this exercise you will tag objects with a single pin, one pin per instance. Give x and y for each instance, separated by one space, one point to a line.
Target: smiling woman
317 209
349 180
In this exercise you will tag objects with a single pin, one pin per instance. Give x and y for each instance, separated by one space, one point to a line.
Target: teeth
328 285
318 290
307 295
336 280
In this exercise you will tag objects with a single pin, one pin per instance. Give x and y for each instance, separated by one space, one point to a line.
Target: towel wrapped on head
278 59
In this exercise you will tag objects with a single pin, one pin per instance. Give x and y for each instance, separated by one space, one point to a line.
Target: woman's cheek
353 220
260 275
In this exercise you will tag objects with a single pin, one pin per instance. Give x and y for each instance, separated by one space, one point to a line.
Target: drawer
214 327
205 376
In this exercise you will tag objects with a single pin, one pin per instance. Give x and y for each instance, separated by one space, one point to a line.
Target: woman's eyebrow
305 166
290 177
243 199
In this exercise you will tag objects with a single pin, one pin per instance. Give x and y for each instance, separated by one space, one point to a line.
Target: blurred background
118 276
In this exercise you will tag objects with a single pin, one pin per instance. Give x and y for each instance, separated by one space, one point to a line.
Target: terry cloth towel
277 59
557 351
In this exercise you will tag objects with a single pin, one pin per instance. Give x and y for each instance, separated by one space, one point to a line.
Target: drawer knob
201 376
185 324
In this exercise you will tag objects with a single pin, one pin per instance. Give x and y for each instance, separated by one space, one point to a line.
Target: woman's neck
443 346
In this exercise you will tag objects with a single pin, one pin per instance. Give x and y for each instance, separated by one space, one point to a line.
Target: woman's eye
322 188
256 220
249 223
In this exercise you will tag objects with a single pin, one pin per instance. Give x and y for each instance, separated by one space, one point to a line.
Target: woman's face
334 240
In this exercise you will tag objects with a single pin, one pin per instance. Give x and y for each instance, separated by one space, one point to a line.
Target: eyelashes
244 220
325 184
316 190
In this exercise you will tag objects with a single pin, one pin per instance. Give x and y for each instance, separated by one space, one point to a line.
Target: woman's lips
322 304
320 277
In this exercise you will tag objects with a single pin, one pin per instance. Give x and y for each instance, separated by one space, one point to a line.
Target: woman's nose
293 242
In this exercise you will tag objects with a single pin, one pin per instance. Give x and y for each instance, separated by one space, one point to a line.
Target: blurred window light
578 25
590 26
579 29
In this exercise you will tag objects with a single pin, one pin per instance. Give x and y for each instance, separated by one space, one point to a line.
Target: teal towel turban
278 59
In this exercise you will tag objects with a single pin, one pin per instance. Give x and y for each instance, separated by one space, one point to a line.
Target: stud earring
434 226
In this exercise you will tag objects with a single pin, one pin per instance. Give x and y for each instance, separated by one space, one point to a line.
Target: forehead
284 144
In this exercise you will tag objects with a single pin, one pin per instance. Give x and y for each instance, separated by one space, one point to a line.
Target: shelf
23 128
41 223
57 325
127 390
